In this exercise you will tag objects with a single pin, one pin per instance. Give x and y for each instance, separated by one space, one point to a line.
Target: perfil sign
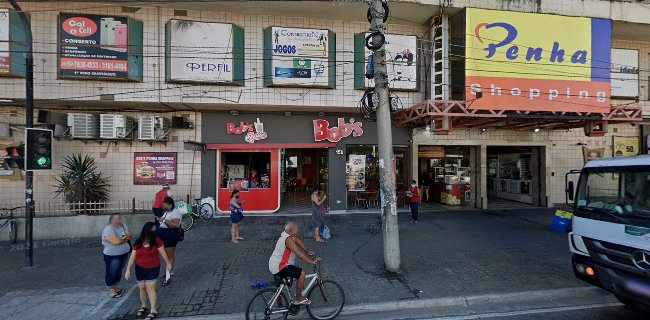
537 62
204 52
299 57
322 130
401 62
625 73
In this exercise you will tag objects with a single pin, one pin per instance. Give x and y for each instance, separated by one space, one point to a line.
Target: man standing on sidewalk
157 209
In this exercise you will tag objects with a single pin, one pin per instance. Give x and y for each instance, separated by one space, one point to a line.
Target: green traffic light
43 161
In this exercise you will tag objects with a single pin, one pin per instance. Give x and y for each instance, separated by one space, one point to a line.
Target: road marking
112 310
525 312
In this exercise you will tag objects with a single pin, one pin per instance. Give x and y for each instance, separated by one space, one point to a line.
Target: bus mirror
570 190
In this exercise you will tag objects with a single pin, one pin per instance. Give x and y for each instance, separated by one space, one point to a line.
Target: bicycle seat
282 280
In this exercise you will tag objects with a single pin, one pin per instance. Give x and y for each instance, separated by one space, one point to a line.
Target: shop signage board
204 52
401 62
590 154
537 62
298 57
626 146
322 130
431 151
356 172
624 73
252 131
99 47
154 168
13 44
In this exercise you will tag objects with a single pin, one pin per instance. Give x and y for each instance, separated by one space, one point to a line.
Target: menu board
356 172
154 168
99 47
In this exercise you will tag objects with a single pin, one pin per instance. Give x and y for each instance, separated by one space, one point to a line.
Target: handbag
180 233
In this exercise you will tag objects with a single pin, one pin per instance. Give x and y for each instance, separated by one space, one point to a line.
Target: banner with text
537 62
154 167
625 73
401 62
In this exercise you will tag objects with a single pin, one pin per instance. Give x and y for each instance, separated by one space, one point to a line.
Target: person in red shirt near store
414 202
147 251
157 209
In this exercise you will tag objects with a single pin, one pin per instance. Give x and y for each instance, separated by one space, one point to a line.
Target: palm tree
81 182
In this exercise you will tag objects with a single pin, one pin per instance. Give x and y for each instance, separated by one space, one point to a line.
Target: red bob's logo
79 27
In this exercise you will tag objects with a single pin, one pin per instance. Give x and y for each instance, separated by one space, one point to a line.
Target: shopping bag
561 221
183 207
325 232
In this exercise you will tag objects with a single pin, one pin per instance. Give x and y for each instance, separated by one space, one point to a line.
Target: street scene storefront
276 160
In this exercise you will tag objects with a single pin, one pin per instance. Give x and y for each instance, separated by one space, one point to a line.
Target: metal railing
59 208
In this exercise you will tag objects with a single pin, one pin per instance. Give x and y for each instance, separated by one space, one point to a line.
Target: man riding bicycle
281 262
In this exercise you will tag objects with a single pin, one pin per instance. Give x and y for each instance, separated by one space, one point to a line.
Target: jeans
114 267
415 208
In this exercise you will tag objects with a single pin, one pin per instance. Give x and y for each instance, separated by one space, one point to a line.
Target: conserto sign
537 62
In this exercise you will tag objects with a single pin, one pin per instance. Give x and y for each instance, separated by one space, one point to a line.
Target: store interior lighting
483 130
536 130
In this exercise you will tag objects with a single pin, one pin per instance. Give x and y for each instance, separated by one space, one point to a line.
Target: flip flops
142 311
304 302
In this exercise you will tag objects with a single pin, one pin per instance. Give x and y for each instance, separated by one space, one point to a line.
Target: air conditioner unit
116 126
153 128
83 125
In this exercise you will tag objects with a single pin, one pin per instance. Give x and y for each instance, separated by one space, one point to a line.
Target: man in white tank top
283 258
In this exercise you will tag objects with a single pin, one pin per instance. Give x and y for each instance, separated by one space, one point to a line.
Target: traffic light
38 149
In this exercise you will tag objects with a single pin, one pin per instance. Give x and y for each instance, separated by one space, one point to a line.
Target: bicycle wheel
13 234
327 300
206 211
187 222
259 308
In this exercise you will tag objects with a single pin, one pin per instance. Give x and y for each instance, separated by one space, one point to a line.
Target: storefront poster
626 146
99 47
356 172
625 73
519 61
592 154
401 61
5 52
154 168
431 151
299 57
203 52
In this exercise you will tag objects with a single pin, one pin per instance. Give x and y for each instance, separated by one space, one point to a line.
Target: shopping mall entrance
302 169
515 174
446 175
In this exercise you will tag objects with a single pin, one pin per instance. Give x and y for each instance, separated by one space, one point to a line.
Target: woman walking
116 241
168 232
414 203
317 219
147 251
236 216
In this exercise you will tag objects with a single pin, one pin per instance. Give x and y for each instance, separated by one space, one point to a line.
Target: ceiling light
536 130
483 130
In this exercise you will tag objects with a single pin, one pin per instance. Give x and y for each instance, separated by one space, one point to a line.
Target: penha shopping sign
537 62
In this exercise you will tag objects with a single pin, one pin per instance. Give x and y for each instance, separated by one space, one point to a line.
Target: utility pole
384 135
29 123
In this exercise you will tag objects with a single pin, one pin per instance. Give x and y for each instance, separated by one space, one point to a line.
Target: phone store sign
323 131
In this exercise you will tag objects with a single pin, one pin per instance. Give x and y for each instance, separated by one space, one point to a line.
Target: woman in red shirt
147 251
414 202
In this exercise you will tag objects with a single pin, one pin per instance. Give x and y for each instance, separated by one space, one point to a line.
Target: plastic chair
373 199
359 200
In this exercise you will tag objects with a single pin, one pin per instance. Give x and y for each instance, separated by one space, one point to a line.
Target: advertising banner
299 57
98 47
5 52
401 61
154 168
356 171
537 62
625 73
201 51
626 146
590 154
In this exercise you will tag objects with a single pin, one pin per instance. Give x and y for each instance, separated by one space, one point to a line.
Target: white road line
118 304
525 312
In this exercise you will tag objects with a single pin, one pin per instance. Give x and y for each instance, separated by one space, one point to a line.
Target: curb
459 301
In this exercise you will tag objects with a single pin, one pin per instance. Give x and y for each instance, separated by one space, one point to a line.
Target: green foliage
80 181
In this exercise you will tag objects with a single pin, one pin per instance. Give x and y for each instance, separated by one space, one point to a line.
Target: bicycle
187 220
10 222
270 303
204 211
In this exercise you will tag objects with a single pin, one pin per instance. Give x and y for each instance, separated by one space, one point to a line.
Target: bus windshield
621 191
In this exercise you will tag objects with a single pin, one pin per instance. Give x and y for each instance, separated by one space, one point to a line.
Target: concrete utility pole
384 133
29 123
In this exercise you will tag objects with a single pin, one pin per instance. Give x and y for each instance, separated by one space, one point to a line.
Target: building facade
264 97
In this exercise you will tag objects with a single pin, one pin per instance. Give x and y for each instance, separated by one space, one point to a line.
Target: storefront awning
448 114
248 146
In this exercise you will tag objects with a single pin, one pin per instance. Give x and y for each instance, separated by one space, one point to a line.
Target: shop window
245 170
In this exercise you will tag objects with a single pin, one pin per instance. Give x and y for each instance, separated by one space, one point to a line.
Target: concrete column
482 193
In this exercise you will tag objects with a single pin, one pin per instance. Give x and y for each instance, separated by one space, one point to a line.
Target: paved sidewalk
448 254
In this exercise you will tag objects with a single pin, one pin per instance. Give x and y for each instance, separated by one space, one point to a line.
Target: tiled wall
154 89
113 160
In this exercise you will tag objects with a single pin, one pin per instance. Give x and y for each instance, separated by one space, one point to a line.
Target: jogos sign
537 62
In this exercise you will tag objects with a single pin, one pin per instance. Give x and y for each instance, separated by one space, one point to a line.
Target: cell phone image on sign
121 37
106 24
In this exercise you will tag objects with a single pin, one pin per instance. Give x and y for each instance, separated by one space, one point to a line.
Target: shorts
158 212
168 237
290 271
146 274
236 217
